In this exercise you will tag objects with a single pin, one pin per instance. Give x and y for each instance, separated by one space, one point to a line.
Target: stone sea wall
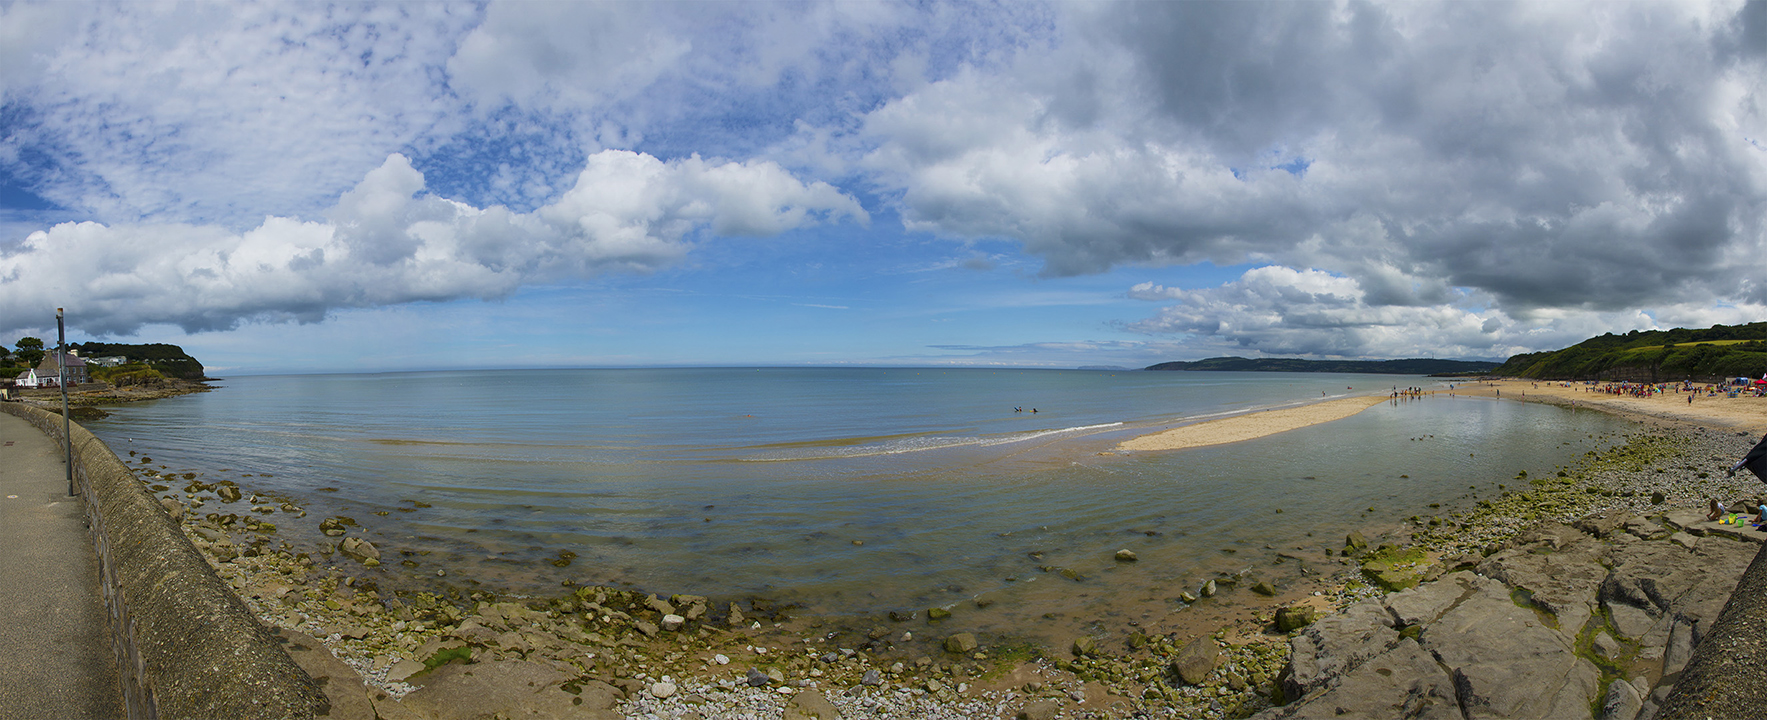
186 646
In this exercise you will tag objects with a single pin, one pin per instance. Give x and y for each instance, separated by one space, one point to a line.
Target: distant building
47 374
108 361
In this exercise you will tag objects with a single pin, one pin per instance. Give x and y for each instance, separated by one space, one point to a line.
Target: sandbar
1251 425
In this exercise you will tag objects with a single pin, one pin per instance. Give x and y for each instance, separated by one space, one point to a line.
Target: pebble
662 690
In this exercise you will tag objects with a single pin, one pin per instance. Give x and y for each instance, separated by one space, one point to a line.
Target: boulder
961 643
1207 590
402 669
227 493
1295 617
1404 682
173 508
661 606
1336 644
735 619
1680 648
673 622
332 527
1040 710
1394 569
1644 528
1355 544
1604 525
810 705
1621 702
1084 646
341 683
1263 587
358 549
513 689
1197 660
1127 556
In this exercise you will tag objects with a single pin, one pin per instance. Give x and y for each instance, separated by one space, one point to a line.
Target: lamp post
67 439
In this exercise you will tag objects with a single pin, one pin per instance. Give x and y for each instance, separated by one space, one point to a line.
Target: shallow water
846 490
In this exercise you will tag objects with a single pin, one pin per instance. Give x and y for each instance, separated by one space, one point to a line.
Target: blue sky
301 187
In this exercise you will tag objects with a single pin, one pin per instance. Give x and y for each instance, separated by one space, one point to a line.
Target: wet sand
1251 425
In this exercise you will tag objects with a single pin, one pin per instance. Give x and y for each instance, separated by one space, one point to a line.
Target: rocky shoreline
606 652
85 400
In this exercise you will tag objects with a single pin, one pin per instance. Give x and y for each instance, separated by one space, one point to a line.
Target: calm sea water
846 490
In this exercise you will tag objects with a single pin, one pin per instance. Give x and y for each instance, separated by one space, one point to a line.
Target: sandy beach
1742 414
1251 425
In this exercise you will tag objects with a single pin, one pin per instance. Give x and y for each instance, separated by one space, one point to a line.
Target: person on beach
1717 510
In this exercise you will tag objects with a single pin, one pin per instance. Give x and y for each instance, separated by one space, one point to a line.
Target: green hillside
1700 355
1414 366
169 360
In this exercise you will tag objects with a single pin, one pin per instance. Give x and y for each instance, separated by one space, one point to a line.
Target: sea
844 491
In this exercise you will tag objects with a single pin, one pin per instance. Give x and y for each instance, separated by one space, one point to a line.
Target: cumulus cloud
1543 158
386 241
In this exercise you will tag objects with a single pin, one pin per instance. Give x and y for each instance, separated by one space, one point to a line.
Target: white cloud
566 55
386 242
1280 311
1591 157
223 113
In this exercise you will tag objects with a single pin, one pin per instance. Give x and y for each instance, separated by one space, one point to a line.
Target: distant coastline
1413 366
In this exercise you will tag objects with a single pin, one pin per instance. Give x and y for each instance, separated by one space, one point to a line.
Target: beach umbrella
1755 461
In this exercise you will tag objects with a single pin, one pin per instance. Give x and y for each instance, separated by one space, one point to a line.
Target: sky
365 187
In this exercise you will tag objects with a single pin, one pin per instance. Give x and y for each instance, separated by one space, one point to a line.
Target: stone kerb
1727 674
186 646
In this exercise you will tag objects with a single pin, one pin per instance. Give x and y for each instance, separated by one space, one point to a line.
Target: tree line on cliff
157 358
1700 355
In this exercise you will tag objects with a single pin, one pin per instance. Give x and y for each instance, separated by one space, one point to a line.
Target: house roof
48 366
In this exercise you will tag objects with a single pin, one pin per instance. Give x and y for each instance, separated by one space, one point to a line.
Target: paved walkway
55 650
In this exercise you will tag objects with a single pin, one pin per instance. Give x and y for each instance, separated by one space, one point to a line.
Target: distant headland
1414 366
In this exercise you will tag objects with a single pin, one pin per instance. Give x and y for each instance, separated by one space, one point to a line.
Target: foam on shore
1251 425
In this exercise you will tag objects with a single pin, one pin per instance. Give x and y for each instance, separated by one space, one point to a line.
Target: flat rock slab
342 684
508 689
1509 664
1424 603
1404 682
1559 567
1337 644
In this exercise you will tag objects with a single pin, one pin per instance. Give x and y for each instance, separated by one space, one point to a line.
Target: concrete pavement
56 659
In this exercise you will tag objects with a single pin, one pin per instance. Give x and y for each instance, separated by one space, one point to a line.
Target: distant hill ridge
1700 355
1414 366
